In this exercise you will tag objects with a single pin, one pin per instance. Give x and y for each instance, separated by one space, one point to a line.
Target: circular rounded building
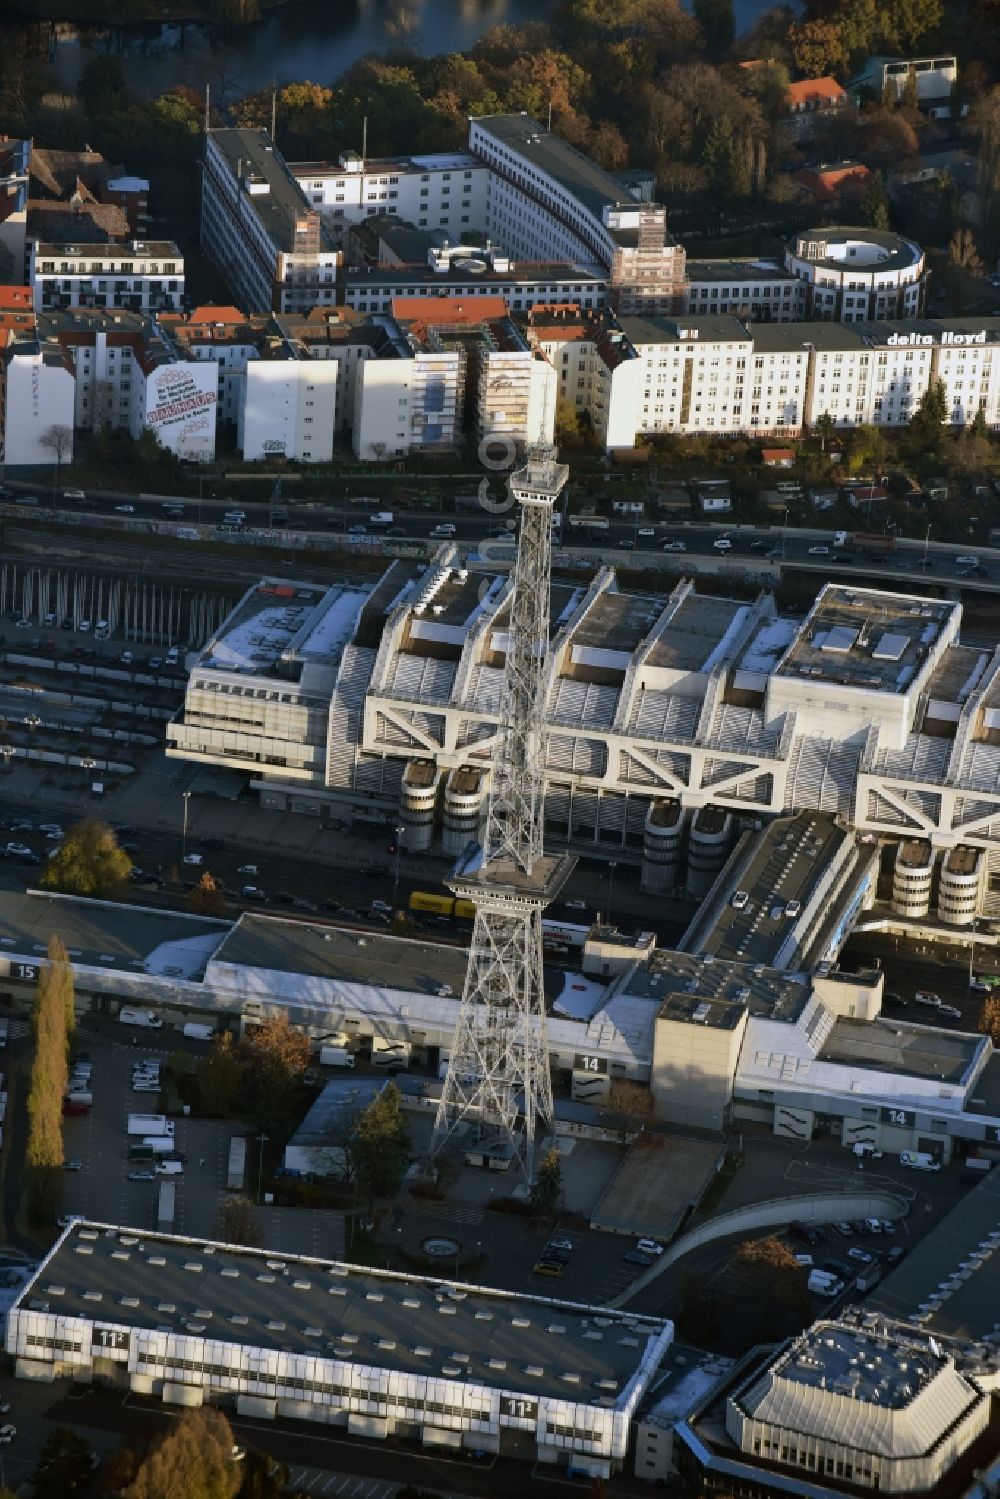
858 275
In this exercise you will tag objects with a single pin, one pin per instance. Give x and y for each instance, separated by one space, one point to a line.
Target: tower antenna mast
498 1081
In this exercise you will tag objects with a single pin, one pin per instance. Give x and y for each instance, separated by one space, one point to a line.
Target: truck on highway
150 1124
919 1160
873 543
381 518
335 1056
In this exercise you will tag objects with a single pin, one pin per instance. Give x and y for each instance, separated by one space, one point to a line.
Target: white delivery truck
381 518
919 1160
129 1016
159 1144
335 1056
196 1032
150 1124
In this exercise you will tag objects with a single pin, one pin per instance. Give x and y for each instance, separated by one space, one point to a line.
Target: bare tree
59 441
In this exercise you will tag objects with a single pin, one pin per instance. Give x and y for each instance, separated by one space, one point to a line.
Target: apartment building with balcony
137 276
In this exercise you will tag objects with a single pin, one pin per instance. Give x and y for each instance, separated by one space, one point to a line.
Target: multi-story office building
548 202
140 276
438 192
659 713
858 275
256 224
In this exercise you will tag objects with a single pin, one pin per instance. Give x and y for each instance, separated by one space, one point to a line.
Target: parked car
649 1246
125 509
142 1176
72 1165
844 1229
635 1258
861 1255
927 997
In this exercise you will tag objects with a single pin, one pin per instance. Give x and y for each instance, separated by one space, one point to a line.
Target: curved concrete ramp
774 1213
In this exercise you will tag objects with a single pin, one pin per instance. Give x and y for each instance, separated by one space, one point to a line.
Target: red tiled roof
16 298
812 93
433 311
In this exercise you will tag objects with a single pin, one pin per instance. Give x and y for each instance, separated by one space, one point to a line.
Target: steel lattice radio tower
498 1073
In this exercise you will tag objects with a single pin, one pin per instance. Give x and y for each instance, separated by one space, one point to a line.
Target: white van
234 518
173 655
169 1168
199 1032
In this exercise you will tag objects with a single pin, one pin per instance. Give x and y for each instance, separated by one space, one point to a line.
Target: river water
308 39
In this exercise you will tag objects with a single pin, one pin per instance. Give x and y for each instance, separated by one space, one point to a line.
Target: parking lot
101 1190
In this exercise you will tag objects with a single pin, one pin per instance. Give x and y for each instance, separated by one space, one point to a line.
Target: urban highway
752 548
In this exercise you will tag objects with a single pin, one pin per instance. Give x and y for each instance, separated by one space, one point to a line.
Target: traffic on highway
359 520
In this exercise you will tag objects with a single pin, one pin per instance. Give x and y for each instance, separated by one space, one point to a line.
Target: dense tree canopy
88 862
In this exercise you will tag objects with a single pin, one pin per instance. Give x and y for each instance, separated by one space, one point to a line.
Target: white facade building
289 407
858 275
139 276
407 397
445 191
548 202
686 703
878 1410
89 370
368 1352
259 229
719 375
39 393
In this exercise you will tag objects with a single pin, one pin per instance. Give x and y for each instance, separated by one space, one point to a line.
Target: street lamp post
927 542
784 523
261 1141
395 881
612 866
972 949
184 835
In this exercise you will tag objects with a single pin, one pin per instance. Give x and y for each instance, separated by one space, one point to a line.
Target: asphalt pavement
751 548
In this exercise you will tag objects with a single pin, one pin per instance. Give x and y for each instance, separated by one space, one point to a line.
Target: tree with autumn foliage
989 1018
207 899
192 1460
273 1056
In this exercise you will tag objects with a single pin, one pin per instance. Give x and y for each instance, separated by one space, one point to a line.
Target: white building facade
139 276
39 394
259 229
445 191
288 410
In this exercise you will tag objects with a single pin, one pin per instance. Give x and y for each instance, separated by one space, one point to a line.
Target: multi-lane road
756 549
